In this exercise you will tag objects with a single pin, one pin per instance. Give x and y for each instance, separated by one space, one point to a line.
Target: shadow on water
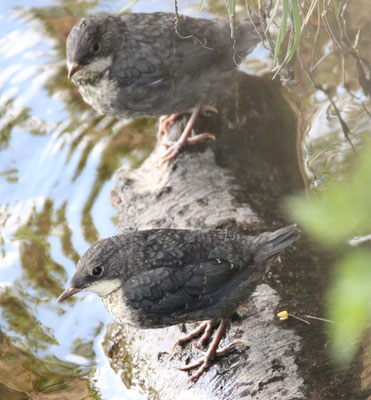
57 159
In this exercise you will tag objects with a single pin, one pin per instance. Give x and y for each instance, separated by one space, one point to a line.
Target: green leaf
128 5
342 211
350 304
337 11
295 16
200 6
273 14
333 217
282 31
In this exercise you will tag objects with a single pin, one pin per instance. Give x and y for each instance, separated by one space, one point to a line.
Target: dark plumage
136 65
161 277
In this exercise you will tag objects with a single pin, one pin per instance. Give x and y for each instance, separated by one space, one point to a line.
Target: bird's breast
99 92
118 307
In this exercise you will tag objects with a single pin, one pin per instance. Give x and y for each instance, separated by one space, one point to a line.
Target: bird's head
90 44
98 270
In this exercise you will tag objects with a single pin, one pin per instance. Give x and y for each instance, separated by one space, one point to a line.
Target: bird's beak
72 69
67 293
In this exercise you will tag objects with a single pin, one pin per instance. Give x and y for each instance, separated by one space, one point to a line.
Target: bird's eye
96 47
97 271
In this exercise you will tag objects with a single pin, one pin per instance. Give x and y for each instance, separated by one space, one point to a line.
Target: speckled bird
139 65
161 277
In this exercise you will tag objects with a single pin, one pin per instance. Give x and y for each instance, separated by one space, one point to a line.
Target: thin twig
254 22
232 25
323 58
309 13
343 124
330 32
365 108
176 24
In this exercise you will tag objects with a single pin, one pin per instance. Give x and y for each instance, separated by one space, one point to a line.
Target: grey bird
139 65
161 277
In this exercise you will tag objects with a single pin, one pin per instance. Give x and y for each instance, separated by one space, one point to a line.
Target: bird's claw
207 108
200 138
203 363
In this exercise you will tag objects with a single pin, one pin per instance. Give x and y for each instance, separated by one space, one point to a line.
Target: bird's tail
250 34
271 243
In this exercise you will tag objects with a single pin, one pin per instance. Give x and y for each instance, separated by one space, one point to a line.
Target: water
56 166
57 163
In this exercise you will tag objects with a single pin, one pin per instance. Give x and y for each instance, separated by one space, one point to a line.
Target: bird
133 65
156 278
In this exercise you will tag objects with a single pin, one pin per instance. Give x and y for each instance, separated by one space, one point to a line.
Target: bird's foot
173 148
206 326
204 365
207 333
205 362
218 353
165 121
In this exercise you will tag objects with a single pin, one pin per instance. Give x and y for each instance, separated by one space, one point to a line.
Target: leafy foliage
290 9
332 217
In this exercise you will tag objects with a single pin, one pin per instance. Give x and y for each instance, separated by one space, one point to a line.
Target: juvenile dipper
138 65
161 277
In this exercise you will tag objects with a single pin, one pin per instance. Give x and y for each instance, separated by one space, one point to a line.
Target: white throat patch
99 64
104 287
95 67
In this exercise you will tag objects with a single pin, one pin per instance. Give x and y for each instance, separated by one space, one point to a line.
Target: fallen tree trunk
236 183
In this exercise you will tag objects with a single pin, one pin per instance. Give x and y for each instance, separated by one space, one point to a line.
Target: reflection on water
57 159
327 151
56 164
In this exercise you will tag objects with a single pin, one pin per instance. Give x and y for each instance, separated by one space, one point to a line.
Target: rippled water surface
57 158
57 161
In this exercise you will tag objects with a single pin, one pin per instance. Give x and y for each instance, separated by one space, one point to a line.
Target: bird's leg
206 326
174 147
205 362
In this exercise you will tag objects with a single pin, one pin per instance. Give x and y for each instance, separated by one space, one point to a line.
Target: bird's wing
149 56
164 290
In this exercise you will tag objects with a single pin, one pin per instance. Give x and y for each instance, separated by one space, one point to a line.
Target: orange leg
165 121
206 326
175 146
212 352
205 362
